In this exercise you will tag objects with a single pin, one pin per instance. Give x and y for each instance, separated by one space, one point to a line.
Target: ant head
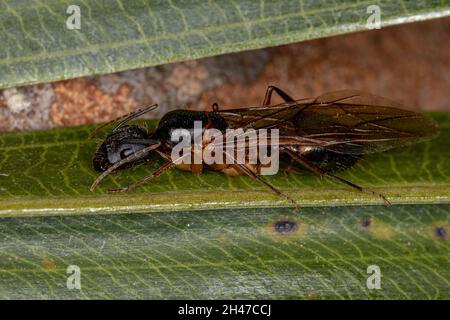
120 144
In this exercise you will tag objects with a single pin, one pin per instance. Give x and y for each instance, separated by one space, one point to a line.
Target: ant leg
130 158
125 118
247 170
157 173
312 167
266 103
281 93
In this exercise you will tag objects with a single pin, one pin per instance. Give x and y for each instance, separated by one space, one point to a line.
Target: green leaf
120 35
149 243
231 254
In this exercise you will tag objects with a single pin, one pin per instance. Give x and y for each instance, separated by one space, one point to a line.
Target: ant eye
125 153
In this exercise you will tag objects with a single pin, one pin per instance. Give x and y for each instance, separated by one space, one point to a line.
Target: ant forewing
332 131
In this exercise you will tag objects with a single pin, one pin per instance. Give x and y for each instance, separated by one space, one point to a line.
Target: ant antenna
124 119
128 159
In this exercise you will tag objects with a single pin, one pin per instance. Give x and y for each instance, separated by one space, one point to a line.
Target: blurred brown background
408 63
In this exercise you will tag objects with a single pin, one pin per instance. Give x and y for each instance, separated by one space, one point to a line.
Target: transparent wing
348 122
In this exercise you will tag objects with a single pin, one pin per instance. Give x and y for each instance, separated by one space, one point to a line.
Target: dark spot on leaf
285 226
441 232
365 222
